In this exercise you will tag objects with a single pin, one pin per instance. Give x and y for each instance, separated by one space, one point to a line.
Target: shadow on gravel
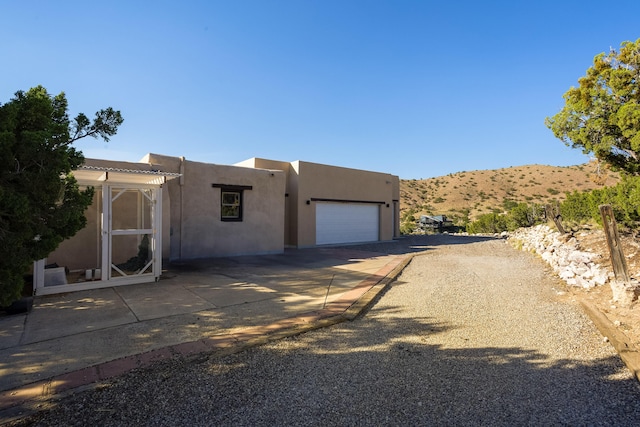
387 372
374 371
420 243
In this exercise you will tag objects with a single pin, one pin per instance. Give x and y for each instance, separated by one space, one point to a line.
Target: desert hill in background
463 196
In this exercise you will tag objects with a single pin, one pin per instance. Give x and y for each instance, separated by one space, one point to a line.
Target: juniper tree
41 203
602 115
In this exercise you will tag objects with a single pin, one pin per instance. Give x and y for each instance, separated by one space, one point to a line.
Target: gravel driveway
472 333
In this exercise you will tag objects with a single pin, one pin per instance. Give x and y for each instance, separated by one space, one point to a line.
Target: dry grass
474 193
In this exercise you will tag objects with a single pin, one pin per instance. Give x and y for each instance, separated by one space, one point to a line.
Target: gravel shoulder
473 332
626 319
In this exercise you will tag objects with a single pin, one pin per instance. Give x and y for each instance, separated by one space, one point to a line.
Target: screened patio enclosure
122 241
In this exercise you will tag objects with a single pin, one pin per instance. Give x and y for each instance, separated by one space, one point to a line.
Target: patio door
131 234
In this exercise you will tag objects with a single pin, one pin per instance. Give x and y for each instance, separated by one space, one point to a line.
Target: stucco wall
196 228
291 193
82 251
307 181
275 209
192 227
395 182
317 181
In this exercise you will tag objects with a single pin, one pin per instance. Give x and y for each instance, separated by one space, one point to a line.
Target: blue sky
413 88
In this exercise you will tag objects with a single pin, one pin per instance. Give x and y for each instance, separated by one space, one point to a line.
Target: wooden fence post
625 292
557 218
613 241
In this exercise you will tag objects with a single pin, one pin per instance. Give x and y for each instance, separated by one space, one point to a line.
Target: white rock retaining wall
562 252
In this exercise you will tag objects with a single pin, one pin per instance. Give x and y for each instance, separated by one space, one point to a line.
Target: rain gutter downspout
181 183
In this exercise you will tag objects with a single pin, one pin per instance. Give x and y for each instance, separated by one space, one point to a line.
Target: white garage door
346 223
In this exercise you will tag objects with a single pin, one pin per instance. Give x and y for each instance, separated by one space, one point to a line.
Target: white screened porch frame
114 183
155 198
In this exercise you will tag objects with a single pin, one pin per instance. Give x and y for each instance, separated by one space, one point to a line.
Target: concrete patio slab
216 305
11 328
162 299
211 281
234 294
57 316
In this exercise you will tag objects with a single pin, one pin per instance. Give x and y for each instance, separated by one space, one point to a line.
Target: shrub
407 227
509 204
624 199
488 223
577 207
524 215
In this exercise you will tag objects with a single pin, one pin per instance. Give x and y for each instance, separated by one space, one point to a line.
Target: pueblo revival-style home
170 208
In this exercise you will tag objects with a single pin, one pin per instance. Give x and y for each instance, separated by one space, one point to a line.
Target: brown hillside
470 194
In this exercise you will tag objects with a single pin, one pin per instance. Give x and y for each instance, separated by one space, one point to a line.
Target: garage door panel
346 223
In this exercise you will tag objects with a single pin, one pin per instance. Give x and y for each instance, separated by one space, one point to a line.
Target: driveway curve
472 332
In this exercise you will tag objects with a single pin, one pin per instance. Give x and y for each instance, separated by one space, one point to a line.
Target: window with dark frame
231 205
231 200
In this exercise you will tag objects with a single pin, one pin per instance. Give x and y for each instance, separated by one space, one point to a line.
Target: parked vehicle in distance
437 222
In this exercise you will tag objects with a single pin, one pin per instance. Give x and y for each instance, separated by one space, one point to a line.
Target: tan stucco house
169 208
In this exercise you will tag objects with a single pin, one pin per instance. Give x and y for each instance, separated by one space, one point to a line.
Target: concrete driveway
77 338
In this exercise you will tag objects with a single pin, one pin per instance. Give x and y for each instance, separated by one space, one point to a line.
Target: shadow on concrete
193 300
